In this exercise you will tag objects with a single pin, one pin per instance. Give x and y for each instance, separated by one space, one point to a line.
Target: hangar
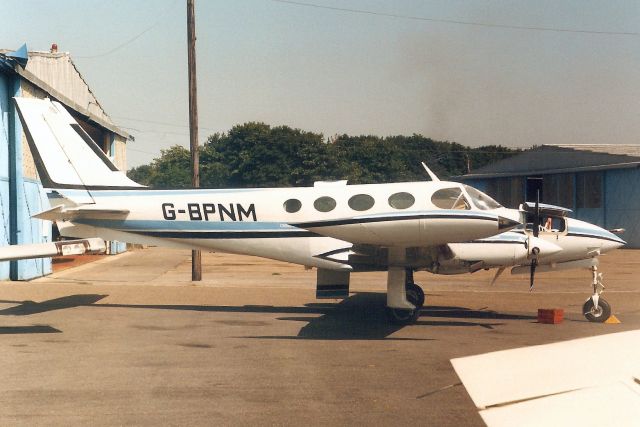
599 182
40 75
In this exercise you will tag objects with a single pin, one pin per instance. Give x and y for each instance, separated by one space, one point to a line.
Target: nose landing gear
596 309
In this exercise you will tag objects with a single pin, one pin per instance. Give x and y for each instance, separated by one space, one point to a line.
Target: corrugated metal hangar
599 182
41 75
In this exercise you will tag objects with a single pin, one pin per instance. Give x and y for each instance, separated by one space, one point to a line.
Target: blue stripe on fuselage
163 225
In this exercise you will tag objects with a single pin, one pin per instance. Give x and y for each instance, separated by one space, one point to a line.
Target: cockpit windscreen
481 200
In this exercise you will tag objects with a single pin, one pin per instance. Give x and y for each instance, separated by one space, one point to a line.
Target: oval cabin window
401 200
292 205
361 202
324 204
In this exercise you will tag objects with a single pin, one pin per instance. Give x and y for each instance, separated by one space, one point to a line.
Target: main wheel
415 293
399 316
596 314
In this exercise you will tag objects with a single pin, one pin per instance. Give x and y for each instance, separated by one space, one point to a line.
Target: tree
258 155
171 170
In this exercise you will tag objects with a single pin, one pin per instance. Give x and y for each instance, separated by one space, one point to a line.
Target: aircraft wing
45 250
588 381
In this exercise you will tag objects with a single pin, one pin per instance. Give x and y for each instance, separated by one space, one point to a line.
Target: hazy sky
333 71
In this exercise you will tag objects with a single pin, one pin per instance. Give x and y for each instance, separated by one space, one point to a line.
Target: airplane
335 227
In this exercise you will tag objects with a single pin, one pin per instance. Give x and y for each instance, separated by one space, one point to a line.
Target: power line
458 22
159 132
158 123
141 151
132 39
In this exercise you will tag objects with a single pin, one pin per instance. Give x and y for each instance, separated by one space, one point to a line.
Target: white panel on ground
509 376
612 405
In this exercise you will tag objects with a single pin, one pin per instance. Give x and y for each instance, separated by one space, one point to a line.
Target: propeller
534 264
536 232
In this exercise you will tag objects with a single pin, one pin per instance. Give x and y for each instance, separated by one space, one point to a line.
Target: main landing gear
404 297
596 309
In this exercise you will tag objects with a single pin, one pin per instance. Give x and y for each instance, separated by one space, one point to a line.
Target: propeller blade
498 273
536 216
534 264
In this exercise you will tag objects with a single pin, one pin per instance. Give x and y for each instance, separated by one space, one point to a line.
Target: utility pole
196 256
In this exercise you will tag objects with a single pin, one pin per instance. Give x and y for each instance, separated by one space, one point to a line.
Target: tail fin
65 155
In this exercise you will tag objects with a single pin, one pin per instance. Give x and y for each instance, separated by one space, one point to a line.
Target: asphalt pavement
130 340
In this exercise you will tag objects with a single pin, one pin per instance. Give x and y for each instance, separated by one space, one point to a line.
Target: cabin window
548 224
292 205
401 200
450 198
324 204
361 202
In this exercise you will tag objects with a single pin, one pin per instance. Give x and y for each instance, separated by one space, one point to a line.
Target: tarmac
130 340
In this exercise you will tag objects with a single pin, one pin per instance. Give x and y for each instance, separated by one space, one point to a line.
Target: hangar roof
56 74
562 158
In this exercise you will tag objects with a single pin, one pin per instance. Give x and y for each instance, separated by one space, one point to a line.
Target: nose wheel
596 313
596 309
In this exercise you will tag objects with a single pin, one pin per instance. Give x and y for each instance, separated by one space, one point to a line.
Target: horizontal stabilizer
45 250
61 213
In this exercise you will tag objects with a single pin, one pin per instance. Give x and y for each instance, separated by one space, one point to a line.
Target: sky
353 66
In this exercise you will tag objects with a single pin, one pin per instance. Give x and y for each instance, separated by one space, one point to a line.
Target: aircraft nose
614 241
505 224
545 248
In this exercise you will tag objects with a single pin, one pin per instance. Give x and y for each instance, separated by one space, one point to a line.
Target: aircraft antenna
432 175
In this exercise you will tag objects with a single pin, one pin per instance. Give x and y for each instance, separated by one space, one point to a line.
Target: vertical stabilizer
67 159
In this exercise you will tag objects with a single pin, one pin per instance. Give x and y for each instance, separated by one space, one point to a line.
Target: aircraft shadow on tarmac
359 317
26 308
32 329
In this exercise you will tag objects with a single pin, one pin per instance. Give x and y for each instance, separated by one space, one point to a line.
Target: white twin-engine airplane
442 227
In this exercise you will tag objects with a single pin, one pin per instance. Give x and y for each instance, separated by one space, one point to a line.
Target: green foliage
258 155
171 170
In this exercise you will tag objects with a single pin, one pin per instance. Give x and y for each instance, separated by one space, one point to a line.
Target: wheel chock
612 320
551 316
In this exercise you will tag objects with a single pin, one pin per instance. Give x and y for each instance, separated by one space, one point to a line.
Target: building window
401 200
589 190
324 204
292 205
361 202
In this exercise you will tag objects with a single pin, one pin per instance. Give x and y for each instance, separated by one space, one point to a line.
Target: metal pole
196 257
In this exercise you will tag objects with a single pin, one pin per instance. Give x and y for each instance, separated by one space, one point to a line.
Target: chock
612 320
550 315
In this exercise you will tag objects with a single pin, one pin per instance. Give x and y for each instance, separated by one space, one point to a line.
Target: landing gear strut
596 309
404 297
